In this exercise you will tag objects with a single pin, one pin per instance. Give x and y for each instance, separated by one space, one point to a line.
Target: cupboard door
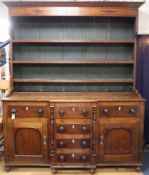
26 141
119 141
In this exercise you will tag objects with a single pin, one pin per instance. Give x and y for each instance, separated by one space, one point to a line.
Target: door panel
119 140
122 147
28 138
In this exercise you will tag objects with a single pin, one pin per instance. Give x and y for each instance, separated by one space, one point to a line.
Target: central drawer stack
74 139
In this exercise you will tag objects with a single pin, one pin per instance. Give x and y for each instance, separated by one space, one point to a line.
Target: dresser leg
53 170
7 168
138 169
93 170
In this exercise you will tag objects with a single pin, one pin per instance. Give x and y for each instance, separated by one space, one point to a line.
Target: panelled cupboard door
27 141
118 141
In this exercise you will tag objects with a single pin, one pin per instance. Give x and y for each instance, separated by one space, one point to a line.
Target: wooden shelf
73 41
74 62
93 3
72 81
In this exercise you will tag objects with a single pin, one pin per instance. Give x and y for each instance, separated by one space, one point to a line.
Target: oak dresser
73 102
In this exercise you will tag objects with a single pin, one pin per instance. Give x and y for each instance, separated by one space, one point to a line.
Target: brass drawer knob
61 129
85 113
61 113
62 158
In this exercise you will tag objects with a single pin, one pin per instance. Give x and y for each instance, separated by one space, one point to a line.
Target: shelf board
73 41
79 3
74 62
72 81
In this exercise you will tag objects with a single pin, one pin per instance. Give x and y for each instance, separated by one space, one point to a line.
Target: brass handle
101 140
44 140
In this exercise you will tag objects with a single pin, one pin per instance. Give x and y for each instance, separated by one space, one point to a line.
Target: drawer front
25 111
72 158
73 129
73 112
119 110
73 143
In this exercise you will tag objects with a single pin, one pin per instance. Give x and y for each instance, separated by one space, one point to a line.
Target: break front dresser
73 102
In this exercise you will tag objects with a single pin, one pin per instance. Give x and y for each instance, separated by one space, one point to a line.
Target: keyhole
73 109
73 155
119 108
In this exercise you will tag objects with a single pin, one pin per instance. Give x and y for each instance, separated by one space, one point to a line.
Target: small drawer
73 112
73 158
73 143
119 110
25 111
73 129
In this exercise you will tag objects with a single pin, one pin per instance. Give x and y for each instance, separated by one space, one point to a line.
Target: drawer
25 111
73 143
73 158
119 109
73 129
73 112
